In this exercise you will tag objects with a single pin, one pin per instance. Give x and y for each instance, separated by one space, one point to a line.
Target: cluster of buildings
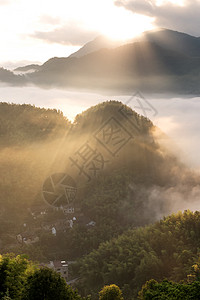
61 224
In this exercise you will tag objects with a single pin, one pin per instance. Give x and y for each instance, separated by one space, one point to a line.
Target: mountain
163 61
28 68
159 61
124 178
9 77
141 65
174 40
168 39
100 42
100 182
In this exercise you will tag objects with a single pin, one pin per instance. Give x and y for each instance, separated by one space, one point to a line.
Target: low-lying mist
177 117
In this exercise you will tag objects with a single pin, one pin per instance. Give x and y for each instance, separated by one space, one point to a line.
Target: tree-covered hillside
124 177
21 124
166 249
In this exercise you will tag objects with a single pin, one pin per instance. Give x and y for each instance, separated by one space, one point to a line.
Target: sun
116 22
127 26
94 16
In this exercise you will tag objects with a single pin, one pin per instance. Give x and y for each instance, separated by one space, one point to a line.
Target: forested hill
21 124
127 179
166 249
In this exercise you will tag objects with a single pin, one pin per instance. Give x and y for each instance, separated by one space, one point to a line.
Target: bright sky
20 19
35 30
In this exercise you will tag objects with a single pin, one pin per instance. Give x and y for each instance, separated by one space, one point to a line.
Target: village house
60 266
27 238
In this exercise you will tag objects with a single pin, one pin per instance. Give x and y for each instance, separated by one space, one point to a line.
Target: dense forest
167 249
125 178
160 261
20 124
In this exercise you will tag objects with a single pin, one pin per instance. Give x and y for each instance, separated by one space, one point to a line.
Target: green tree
164 290
6 297
110 292
49 285
13 273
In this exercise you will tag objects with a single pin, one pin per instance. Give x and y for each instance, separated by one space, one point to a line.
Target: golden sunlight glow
117 22
100 17
126 26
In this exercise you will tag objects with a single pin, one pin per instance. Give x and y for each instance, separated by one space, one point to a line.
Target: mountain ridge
163 61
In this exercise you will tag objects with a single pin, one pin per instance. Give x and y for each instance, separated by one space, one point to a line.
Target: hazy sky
35 30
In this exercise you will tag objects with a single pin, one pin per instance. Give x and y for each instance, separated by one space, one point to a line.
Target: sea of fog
177 117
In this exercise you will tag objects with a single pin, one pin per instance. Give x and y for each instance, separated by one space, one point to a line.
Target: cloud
164 201
46 19
143 7
168 15
69 34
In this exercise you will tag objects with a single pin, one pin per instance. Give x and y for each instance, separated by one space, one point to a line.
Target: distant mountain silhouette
28 68
158 61
98 43
174 40
7 76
